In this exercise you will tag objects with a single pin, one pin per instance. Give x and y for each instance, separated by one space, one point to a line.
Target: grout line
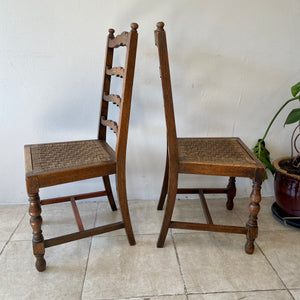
180 269
236 292
17 241
88 258
287 289
25 213
144 297
148 297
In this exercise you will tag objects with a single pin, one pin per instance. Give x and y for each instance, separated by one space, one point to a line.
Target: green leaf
295 89
262 153
293 117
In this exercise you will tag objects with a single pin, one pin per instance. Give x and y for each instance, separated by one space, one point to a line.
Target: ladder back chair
206 156
57 163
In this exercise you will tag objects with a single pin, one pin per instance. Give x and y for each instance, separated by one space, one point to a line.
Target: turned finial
111 32
134 26
160 26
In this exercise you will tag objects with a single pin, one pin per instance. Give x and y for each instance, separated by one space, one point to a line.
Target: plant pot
287 189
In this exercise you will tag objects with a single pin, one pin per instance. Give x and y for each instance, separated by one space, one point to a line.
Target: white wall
232 65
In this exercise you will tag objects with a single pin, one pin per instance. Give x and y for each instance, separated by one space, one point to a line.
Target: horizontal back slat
115 99
117 71
119 40
109 123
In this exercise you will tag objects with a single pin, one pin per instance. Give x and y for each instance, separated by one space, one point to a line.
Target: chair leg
122 195
172 191
164 189
254 207
37 238
231 193
108 190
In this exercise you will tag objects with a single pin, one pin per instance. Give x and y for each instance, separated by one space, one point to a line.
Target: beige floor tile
190 210
282 249
213 263
265 295
266 220
296 294
144 217
2 244
63 278
10 217
216 262
117 270
187 210
58 219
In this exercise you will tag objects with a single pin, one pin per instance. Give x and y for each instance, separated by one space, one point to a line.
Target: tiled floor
192 265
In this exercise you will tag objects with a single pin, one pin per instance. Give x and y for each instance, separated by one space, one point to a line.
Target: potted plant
286 169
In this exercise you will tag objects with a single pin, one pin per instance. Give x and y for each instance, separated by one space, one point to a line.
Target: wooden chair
208 156
57 163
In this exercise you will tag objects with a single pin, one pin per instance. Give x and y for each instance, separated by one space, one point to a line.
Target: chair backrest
161 43
128 40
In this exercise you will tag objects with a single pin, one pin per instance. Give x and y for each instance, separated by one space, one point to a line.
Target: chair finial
111 32
160 26
134 26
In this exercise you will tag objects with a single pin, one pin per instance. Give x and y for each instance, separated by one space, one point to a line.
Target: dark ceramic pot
287 189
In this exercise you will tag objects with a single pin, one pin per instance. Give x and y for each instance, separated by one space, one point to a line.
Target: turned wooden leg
251 225
172 191
122 195
37 238
108 190
164 188
231 193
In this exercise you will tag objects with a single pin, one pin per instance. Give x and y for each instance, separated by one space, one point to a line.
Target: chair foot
249 247
122 195
229 205
40 263
161 242
160 206
164 189
231 193
172 183
251 235
131 240
37 236
254 207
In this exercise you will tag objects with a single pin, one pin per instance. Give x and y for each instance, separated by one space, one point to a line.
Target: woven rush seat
57 163
67 155
214 150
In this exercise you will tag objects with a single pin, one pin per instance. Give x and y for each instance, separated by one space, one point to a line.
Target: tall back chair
207 156
57 163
